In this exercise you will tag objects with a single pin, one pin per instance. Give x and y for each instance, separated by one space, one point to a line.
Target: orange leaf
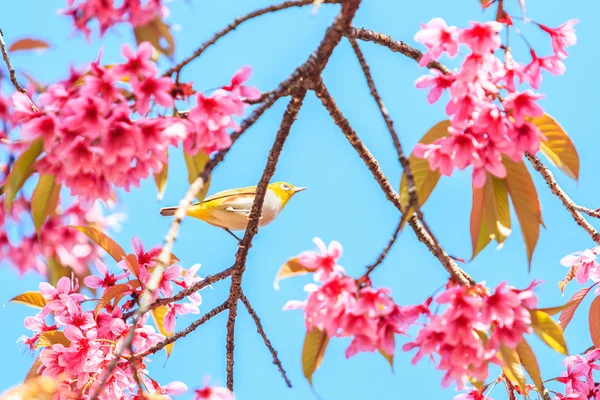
44 200
195 165
161 178
569 311
569 277
155 32
49 338
158 314
111 293
313 351
33 370
38 388
109 245
559 148
511 366
31 299
526 203
28 44
424 178
529 361
595 322
133 265
291 268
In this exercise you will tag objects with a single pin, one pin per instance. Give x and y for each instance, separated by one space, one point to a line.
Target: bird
230 209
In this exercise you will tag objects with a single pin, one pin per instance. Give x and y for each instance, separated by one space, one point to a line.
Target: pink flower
585 262
106 281
562 37
523 104
145 259
474 394
482 38
213 393
438 81
236 87
137 64
150 86
175 309
438 37
552 64
324 262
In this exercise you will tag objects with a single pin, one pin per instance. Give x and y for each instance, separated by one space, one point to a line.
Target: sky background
343 202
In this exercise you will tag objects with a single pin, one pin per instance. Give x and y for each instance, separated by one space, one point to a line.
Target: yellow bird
230 209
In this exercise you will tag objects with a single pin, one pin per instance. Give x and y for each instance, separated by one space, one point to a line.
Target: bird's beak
299 189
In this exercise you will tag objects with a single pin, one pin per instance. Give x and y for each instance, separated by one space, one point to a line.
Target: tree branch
588 211
237 22
262 333
385 250
11 71
563 196
455 272
394 45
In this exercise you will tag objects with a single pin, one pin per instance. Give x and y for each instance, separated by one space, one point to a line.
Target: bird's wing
250 190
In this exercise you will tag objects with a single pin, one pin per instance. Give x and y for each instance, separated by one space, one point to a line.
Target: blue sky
343 201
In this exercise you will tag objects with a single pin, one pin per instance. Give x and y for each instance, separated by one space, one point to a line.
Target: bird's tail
168 211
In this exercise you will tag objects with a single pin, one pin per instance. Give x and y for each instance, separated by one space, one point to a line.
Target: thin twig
237 22
193 326
262 333
588 211
11 71
510 388
252 229
385 251
394 45
563 196
455 272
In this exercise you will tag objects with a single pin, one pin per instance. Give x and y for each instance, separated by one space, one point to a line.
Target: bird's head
285 191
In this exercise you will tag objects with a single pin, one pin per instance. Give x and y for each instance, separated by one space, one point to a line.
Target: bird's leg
233 234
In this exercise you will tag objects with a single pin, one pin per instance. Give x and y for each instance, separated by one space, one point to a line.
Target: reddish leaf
109 245
595 321
158 314
52 337
569 311
291 268
569 277
133 265
28 44
313 351
111 293
31 299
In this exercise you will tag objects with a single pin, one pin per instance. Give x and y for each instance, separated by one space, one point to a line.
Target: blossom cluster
91 142
108 14
579 377
583 266
458 335
81 343
489 117
342 307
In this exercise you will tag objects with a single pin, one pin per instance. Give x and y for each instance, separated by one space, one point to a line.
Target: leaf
31 299
548 330
553 310
569 277
56 270
109 245
529 361
155 32
424 178
28 44
133 265
315 344
52 337
195 165
110 294
36 388
526 203
490 214
595 321
33 370
511 366
292 267
389 357
161 178
569 310
158 314
44 200
559 148
21 170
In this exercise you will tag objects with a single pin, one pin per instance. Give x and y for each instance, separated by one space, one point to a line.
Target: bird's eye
285 186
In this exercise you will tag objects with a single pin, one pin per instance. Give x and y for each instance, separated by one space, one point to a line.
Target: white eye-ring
285 186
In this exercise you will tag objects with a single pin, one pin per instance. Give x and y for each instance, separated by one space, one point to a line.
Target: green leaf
569 310
511 366
559 148
526 203
425 179
292 267
195 165
161 178
21 171
56 270
111 293
52 337
490 214
529 361
595 322
313 351
44 200
158 314
31 299
548 330
109 245
156 32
